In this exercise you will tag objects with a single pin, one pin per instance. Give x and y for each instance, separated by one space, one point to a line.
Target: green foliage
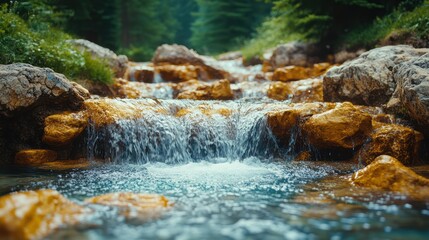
223 24
415 22
45 47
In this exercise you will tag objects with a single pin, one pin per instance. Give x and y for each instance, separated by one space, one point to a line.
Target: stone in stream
308 90
293 73
344 127
35 214
219 90
117 63
140 73
180 55
388 174
133 205
24 87
370 78
61 129
181 73
391 139
35 157
28 95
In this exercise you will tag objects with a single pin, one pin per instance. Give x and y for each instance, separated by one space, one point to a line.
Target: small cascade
179 131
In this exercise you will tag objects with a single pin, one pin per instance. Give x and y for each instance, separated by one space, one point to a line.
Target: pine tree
223 24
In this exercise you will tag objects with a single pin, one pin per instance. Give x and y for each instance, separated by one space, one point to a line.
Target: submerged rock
35 214
388 174
133 205
61 129
35 157
342 127
391 139
24 87
118 64
220 90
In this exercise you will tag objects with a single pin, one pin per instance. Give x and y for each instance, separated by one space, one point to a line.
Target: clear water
248 199
228 179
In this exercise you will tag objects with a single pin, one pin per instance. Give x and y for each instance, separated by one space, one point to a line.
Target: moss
46 47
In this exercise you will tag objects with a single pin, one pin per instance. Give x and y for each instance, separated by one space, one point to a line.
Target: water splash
187 131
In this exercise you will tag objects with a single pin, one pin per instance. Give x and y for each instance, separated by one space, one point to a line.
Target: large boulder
293 53
117 63
24 87
35 214
180 55
412 90
388 174
370 78
345 127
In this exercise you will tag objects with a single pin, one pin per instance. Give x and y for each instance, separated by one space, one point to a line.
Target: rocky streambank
371 111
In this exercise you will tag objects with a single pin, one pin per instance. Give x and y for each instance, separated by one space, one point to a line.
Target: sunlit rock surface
63 128
308 90
400 142
344 126
180 55
292 73
388 174
219 90
132 205
35 157
179 73
369 79
24 86
35 214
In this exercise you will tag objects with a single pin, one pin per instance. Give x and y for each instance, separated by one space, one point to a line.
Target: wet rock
308 90
391 139
279 91
252 61
388 174
123 89
97 88
293 53
67 165
140 73
174 73
281 122
61 129
205 109
35 157
180 55
103 112
117 63
291 73
133 205
412 90
35 214
368 79
24 87
342 127
219 90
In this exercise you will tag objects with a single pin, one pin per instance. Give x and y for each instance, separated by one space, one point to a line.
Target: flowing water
227 176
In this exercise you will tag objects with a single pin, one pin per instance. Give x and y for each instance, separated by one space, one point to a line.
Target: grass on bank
45 46
415 22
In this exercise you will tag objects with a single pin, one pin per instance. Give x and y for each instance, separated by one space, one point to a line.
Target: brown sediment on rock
293 73
389 174
33 157
61 129
219 90
35 214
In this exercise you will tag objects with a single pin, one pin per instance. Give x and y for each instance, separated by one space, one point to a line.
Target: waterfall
187 131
